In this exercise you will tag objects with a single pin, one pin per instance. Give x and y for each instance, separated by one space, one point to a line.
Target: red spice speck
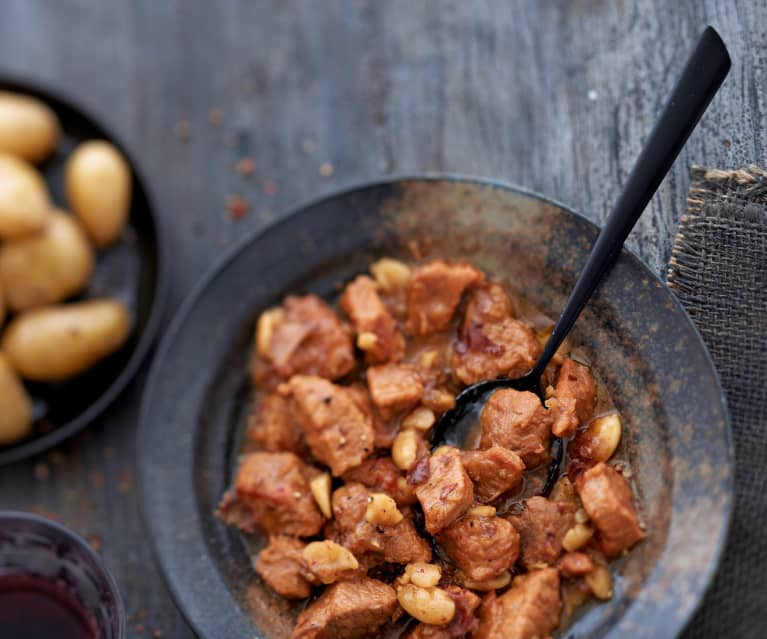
271 187
246 166
125 482
419 473
94 541
238 207
139 628
97 479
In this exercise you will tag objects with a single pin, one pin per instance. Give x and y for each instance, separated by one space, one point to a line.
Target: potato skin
24 200
54 343
48 267
29 129
16 413
98 185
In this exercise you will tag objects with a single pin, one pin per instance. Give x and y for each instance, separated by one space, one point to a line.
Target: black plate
132 270
676 434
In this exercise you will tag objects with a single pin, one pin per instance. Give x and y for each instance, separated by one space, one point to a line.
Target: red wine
34 608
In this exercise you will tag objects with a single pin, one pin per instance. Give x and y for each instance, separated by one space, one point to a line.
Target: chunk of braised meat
338 432
517 421
528 610
576 381
481 544
606 497
464 621
397 543
271 493
447 492
575 396
385 429
381 475
542 526
434 292
273 426
347 610
494 471
491 343
377 332
394 386
307 338
575 564
281 566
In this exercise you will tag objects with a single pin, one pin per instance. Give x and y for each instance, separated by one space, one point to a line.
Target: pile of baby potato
47 256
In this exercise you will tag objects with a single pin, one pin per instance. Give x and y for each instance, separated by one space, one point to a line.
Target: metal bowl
133 270
641 341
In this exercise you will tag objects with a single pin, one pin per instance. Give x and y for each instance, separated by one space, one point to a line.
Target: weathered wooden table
554 96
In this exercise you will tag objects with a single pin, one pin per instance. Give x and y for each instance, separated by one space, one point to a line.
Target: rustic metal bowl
641 341
133 270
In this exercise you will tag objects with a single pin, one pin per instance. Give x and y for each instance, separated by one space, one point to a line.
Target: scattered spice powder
97 479
41 471
183 130
246 166
125 482
307 146
139 628
237 206
216 117
94 541
271 187
326 169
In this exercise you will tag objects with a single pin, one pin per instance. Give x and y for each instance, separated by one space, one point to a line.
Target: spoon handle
701 78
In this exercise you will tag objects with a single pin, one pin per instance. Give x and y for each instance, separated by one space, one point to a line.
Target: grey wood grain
554 96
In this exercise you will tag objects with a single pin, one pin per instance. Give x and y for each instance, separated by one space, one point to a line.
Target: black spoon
701 78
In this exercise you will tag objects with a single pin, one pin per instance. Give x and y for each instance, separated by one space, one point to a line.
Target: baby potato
16 413
29 129
48 267
98 185
54 343
24 200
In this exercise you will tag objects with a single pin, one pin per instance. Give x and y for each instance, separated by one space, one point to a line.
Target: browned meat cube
542 526
464 621
447 492
280 566
528 610
491 342
306 338
398 543
394 386
434 292
347 610
382 476
494 471
481 544
273 426
607 498
385 429
271 493
339 434
575 382
377 332
517 421
575 564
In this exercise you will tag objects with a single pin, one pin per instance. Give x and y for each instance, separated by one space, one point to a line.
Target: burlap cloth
718 270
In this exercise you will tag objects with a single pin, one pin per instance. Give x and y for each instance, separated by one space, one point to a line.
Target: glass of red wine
52 584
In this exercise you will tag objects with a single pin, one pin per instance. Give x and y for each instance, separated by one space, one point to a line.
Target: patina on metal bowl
652 359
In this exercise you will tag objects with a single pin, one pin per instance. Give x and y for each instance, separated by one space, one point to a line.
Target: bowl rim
187 306
20 516
25 449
